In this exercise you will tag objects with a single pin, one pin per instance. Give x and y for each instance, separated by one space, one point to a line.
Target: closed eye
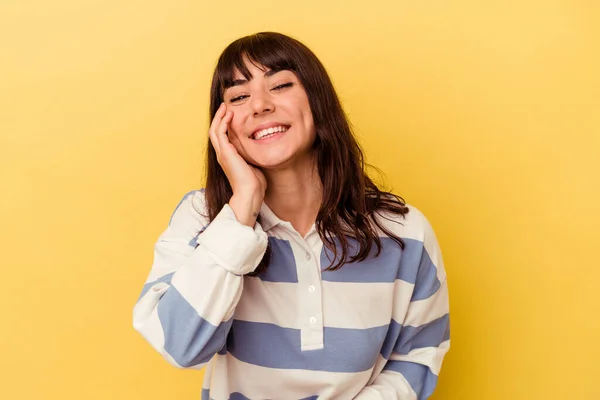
283 86
277 88
238 98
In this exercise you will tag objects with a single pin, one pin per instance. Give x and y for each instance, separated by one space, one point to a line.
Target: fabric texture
376 329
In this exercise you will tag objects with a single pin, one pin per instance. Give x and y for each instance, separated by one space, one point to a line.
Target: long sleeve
186 306
414 361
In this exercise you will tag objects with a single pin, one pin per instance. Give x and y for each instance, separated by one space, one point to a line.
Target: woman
291 274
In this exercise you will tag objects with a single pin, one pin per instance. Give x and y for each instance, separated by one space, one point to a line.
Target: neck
294 194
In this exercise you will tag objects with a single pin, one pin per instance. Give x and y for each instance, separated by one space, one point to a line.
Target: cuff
234 246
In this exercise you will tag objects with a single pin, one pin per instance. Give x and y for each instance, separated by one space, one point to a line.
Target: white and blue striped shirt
376 329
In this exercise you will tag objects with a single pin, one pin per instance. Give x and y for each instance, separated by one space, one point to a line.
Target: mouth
269 132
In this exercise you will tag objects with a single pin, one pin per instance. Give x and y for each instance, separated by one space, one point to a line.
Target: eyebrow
268 74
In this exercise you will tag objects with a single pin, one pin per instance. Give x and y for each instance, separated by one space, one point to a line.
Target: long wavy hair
350 197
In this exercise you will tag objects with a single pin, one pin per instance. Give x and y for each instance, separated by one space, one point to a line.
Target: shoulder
412 225
418 233
191 208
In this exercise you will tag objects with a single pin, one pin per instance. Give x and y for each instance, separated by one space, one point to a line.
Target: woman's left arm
414 362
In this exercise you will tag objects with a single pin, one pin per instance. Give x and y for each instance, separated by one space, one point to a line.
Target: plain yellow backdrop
485 115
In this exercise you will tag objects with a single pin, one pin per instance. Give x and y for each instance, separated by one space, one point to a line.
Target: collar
268 219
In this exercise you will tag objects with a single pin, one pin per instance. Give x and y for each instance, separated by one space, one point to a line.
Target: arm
186 306
414 363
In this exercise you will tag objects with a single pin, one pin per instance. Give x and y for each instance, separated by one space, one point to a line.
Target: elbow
180 363
155 337
197 346
176 330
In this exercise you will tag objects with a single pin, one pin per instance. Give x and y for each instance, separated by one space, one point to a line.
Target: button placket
311 302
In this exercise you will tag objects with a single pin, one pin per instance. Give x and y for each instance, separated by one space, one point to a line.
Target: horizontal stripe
207 286
290 384
282 266
427 282
238 396
415 226
430 356
351 305
401 299
403 339
146 321
420 378
431 334
345 305
423 311
271 346
391 339
269 302
165 278
412 265
189 339
383 268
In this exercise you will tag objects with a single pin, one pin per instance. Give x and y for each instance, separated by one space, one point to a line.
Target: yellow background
484 114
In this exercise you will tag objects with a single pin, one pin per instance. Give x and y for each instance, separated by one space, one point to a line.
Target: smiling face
272 125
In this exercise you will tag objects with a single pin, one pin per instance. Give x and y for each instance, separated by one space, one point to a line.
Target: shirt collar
268 219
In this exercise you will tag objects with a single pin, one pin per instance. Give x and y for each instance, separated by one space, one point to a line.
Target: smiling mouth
265 133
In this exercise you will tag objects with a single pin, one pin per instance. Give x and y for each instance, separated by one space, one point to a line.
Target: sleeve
186 306
412 365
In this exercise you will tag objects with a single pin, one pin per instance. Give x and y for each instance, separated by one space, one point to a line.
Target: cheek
308 117
236 134
237 124
303 106
235 128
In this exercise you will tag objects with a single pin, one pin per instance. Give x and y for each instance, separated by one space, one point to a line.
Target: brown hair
350 198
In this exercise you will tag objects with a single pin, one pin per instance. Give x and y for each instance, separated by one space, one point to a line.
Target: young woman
291 274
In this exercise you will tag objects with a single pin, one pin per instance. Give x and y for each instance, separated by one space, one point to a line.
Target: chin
273 159
271 164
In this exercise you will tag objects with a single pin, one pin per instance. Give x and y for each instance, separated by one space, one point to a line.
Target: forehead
242 78
254 71
243 66
249 69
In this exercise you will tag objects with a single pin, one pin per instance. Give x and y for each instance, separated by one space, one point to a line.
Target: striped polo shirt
374 329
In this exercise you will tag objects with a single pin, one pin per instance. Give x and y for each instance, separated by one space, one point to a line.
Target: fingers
218 116
216 122
224 144
218 133
213 126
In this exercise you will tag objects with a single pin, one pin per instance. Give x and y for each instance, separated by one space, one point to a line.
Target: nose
261 104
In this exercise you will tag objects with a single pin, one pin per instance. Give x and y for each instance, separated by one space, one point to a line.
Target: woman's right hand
247 182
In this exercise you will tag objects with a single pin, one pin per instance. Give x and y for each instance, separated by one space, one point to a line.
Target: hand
247 182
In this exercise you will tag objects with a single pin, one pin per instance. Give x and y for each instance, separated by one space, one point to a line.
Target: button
159 287
311 288
312 320
307 255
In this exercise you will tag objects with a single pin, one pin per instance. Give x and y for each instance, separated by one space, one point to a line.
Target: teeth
269 131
